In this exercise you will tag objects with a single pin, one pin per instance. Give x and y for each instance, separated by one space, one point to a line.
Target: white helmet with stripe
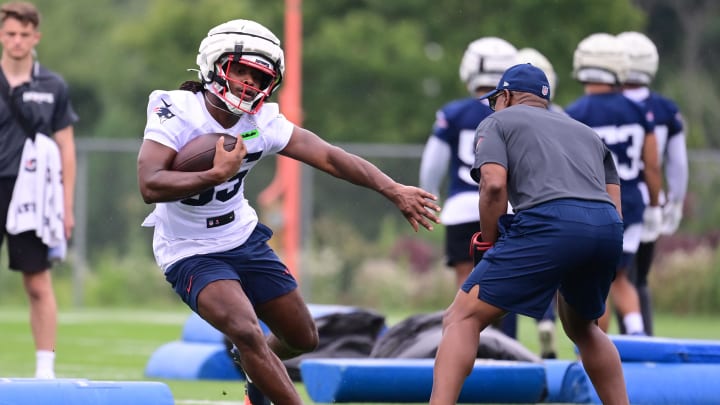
248 43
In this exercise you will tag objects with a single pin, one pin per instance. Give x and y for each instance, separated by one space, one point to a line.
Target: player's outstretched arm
417 205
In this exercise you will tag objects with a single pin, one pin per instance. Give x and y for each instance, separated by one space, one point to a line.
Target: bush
687 281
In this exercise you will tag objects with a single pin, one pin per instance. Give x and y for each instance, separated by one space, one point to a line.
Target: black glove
478 247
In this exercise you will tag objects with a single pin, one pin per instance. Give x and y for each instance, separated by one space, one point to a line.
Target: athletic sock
546 332
45 364
634 324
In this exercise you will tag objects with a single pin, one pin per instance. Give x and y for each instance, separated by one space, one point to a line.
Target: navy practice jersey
622 124
454 131
669 132
668 121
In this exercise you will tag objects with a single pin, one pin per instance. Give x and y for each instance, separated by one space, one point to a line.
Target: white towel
37 199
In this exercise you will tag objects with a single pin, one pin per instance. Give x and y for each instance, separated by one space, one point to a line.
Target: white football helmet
600 58
484 62
248 43
534 57
643 56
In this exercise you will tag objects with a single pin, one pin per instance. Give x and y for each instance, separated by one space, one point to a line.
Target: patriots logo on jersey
649 116
30 165
163 111
440 120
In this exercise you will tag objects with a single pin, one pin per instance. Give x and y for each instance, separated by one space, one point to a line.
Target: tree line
373 70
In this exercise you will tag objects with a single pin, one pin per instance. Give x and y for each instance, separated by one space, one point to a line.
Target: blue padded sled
410 380
670 383
82 392
566 382
191 361
666 350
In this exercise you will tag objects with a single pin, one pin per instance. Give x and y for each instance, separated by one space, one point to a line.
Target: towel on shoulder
37 199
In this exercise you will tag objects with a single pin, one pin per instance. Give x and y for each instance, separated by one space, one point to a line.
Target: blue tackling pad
670 383
30 391
410 380
666 350
567 382
191 361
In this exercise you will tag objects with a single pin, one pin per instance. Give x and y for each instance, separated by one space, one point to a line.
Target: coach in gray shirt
565 235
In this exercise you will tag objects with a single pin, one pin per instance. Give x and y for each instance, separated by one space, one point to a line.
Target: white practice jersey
220 218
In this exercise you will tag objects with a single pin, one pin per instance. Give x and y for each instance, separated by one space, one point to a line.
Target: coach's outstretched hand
416 205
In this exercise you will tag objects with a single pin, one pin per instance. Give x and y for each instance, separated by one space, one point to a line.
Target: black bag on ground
419 337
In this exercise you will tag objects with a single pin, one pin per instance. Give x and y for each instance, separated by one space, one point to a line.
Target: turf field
115 344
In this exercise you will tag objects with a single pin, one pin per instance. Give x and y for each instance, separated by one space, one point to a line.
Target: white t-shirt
181 227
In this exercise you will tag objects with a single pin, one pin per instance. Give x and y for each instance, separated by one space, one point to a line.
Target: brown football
198 154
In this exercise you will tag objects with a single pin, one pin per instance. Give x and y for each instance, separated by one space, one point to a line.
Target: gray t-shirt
547 154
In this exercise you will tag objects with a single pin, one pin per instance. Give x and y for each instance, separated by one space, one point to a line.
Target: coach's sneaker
253 396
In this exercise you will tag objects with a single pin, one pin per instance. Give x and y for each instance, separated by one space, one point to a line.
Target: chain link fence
348 233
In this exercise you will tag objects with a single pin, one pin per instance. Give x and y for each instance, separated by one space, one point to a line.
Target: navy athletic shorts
254 264
567 244
457 242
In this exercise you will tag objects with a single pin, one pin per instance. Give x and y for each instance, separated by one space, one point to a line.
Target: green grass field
115 344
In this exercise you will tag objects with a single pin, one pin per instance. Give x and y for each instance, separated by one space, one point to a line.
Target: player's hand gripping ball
198 154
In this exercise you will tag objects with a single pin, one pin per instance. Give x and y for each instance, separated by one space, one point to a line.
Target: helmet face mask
239 95
246 43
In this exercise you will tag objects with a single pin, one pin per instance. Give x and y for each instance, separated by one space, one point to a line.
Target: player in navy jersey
672 154
449 150
600 64
207 238
37 103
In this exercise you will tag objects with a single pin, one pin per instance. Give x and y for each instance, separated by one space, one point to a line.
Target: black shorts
457 242
26 252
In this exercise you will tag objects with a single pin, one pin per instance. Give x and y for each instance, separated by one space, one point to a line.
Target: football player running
672 156
600 63
207 238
